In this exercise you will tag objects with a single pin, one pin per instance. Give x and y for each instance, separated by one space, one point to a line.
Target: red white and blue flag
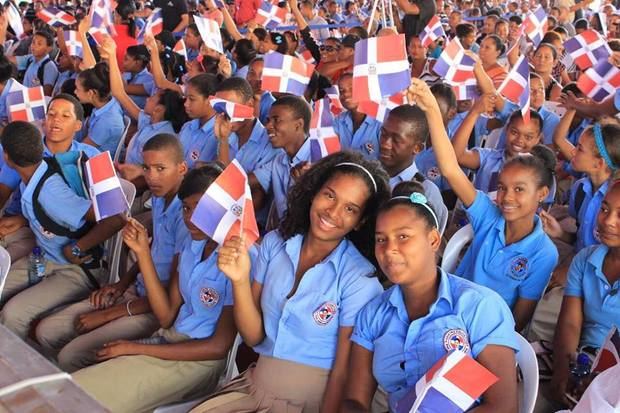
101 20
73 43
587 49
27 104
306 56
153 26
516 86
285 73
269 15
467 90
105 187
432 31
55 17
335 106
609 353
210 33
235 111
180 48
453 65
535 25
600 81
380 68
452 385
323 138
226 208
14 18
380 110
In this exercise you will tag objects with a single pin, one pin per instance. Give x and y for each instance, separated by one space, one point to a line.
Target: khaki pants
63 284
19 244
135 384
57 332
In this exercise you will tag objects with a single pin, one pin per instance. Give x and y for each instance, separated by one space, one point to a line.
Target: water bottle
36 266
579 371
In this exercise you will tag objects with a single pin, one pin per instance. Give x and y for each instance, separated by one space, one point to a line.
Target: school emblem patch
518 268
325 313
236 209
194 155
47 234
456 339
209 296
370 148
433 173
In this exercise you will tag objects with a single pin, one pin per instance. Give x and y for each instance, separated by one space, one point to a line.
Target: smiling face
518 193
345 87
282 126
522 137
608 220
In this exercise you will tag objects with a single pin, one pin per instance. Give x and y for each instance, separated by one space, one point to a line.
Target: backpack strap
579 198
41 70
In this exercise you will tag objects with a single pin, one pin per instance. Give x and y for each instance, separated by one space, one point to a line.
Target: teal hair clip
418 198
600 145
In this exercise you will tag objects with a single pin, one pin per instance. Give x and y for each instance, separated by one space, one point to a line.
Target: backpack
40 70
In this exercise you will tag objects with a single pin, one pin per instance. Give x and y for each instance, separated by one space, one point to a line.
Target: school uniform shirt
364 140
62 78
144 78
105 126
257 151
275 176
584 205
617 100
465 316
61 204
264 106
50 71
491 163
304 328
199 142
169 236
192 54
519 270
601 301
146 130
4 110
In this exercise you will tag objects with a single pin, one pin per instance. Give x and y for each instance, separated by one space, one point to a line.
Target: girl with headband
402 333
311 278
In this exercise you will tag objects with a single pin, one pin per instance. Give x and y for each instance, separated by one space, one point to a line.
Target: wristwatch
76 251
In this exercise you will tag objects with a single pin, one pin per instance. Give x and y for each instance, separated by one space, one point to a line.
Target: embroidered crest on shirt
456 339
370 148
194 155
209 296
518 268
325 313
47 234
433 173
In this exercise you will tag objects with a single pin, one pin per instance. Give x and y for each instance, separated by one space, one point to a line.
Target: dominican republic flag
269 15
380 110
452 385
73 43
105 187
453 65
101 20
380 68
235 111
600 81
226 207
535 25
27 104
306 56
334 100
210 33
432 31
285 73
55 17
323 138
154 24
467 90
587 49
516 86
14 18
609 353
180 48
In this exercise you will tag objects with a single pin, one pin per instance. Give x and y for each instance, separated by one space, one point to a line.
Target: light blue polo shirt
275 176
491 164
4 110
601 301
146 130
61 204
266 101
364 140
304 328
105 126
584 205
169 236
518 270
50 71
62 78
144 78
464 316
617 100
256 152
199 142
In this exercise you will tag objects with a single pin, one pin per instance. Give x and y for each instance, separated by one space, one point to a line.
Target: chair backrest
455 245
231 363
121 142
113 245
527 362
492 139
5 264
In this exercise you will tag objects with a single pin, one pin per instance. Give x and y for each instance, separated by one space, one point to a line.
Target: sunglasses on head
329 48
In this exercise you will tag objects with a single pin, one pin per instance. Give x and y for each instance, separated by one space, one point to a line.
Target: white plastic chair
113 246
5 264
527 362
230 372
121 142
455 245
492 139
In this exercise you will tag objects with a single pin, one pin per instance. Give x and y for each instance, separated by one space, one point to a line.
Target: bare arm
108 49
362 385
560 135
335 389
156 69
407 7
502 396
522 312
230 25
182 24
88 59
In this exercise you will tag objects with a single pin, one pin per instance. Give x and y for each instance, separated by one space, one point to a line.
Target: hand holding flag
323 138
285 73
53 16
105 187
236 112
432 31
210 33
27 104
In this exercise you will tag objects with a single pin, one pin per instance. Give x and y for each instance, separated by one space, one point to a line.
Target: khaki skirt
271 385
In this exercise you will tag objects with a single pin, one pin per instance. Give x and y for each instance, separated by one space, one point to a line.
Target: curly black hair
300 196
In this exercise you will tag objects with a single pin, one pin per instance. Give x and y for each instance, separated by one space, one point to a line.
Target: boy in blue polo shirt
40 70
71 271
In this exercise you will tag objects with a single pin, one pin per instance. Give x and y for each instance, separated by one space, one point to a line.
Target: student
139 82
357 131
39 69
192 41
510 252
105 126
186 357
67 66
310 281
590 305
402 333
6 81
121 311
71 269
263 99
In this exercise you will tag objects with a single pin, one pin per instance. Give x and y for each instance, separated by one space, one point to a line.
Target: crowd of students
342 297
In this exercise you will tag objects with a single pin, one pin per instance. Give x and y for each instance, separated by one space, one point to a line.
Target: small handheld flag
587 49
600 81
516 86
101 20
454 65
609 353
105 187
53 16
380 110
432 31
180 48
14 18
27 104
154 24
535 25
306 56
323 138
73 43
235 111
285 73
334 100
210 33
269 15
226 207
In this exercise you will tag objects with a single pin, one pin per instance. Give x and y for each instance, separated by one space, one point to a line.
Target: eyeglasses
329 48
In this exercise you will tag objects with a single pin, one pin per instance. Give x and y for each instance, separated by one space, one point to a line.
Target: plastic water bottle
36 266
579 371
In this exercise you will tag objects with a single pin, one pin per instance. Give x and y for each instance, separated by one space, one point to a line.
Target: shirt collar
105 108
596 259
302 155
530 242
408 173
293 245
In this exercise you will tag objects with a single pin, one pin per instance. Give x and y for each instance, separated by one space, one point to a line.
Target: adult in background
417 15
174 13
